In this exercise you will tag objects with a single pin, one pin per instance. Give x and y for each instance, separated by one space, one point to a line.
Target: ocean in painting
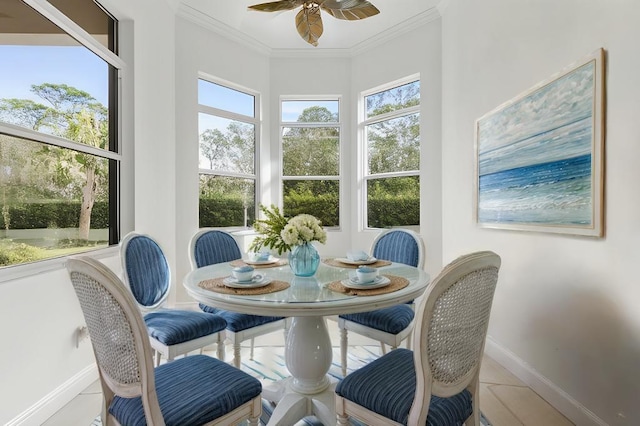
557 192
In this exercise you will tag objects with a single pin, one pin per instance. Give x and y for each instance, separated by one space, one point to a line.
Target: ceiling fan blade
309 24
276 6
350 10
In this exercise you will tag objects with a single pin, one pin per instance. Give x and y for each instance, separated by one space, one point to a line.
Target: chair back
399 245
451 327
211 246
116 329
146 270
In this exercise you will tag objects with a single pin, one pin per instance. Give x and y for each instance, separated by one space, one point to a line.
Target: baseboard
39 412
559 399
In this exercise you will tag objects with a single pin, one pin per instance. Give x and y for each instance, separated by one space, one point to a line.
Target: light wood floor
504 399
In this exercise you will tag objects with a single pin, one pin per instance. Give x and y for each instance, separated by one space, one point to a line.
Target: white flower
303 228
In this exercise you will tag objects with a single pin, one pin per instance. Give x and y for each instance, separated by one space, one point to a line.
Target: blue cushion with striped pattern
387 386
172 327
237 321
147 270
397 246
191 391
391 320
215 247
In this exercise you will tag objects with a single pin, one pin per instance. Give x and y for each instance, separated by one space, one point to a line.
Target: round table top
305 296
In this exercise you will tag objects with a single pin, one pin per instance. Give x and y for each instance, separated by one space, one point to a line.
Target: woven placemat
337 263
280 262
396 284
217 285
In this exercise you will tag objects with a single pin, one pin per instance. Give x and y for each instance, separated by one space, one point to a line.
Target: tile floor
504 399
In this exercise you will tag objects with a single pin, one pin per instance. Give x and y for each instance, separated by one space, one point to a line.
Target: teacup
243 273
366 274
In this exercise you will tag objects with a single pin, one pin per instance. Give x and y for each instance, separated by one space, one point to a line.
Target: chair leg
220 348
383 348
342 420
158 356
236 355
343 351
251 352
409 341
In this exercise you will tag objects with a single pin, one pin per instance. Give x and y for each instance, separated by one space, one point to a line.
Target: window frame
363 149
339 124
256 121
113 154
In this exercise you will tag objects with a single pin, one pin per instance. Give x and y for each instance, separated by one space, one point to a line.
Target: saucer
269 261
368 261
353 282
258 280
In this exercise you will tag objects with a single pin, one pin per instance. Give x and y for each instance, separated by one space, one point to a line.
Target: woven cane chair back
451 326
117 331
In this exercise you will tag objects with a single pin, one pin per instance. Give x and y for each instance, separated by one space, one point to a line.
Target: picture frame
540 156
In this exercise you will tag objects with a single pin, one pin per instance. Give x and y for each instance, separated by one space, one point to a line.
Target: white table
308 351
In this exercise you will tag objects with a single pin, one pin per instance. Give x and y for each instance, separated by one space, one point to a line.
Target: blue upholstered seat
175 326
390 320
147 274
217 387
387 386
210 247
391 325
239 322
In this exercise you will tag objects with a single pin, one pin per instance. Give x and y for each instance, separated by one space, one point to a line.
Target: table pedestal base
309 391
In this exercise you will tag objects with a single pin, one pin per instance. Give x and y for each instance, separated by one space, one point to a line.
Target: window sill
11 273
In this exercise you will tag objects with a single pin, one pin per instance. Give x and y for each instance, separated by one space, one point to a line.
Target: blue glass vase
304 260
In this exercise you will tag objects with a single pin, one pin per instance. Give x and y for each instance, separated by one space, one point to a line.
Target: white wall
566 308
40 366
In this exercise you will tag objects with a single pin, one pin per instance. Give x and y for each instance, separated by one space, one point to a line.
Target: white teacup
366 274
243 273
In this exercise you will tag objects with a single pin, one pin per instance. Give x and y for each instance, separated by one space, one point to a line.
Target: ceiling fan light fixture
308 20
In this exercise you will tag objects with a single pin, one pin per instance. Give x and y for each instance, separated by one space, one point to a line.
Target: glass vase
304 260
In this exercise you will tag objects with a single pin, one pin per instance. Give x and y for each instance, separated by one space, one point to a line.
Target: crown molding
230 33
397 30
442 6
222 29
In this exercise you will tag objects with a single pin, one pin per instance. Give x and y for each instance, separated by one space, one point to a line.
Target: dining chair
393 324
211 246
438 383
173 332
194 390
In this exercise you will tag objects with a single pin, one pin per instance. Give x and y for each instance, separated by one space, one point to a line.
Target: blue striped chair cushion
215 247
237 321
147 270
174 326
397 246
391 320
191 391
387 386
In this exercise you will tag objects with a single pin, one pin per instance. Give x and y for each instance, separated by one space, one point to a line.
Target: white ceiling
275 31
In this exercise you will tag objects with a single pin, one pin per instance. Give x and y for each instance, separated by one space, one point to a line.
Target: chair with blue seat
438 383
195 390
389 325
173 332
211 246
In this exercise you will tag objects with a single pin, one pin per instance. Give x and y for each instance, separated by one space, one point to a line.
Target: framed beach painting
539 156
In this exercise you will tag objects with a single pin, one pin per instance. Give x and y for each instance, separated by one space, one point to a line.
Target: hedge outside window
59 155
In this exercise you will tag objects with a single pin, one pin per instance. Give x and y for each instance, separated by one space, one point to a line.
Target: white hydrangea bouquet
282 234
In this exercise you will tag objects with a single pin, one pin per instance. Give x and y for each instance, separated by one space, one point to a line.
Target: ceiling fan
308 20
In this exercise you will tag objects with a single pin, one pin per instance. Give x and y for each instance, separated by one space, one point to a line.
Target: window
227 126
391 129
310 137
59 157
